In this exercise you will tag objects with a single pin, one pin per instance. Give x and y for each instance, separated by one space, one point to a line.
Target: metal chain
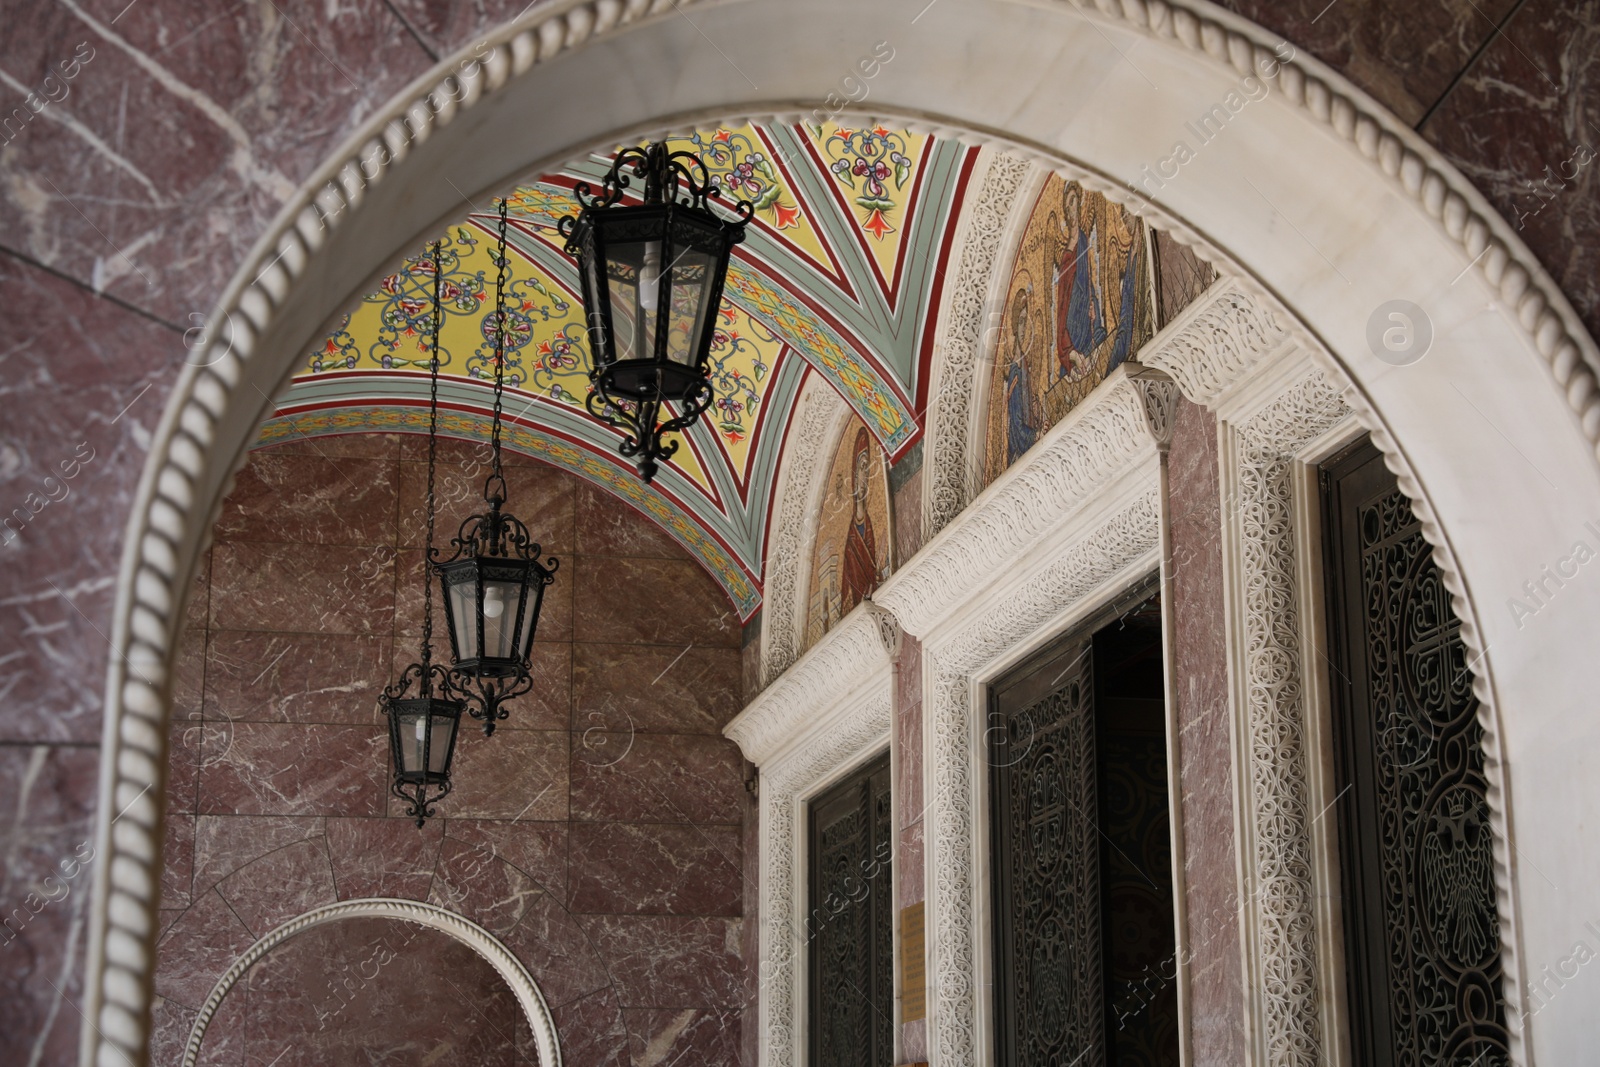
499 345
433 435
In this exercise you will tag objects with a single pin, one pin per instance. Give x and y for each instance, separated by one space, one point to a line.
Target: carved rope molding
804 463
831 709
963 339
120 961
156 564
464 930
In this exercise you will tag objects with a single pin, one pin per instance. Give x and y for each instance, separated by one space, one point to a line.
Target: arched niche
405 912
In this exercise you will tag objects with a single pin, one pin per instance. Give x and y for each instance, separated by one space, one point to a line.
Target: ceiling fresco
839 275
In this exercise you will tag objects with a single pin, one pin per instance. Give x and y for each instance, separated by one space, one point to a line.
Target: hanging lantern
493 585
421 705
652 278
422 738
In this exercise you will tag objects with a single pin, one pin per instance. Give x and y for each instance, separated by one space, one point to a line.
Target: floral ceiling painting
839 276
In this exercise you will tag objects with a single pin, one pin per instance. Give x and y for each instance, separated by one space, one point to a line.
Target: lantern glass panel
694 276
502 610
410 728
463 604
629 265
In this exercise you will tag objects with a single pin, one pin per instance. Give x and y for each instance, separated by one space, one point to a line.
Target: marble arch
1330 204
464 930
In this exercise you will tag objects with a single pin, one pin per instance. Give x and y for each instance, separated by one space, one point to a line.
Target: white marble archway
464 930
1322 198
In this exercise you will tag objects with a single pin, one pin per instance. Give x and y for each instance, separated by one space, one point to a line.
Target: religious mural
851 553
1079 304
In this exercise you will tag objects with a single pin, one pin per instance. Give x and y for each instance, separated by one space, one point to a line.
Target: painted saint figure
1079 306
860 546
1021 425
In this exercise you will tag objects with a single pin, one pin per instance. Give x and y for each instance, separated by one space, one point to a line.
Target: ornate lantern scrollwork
652 277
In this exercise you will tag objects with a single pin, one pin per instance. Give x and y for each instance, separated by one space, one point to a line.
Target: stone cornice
847 658
1127 417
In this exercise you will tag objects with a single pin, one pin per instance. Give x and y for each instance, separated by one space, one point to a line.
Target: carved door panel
850 926
1422 929
1049 988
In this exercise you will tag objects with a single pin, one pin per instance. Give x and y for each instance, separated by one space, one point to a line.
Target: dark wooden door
850 925
1421 926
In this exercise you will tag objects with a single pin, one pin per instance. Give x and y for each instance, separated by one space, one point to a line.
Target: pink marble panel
657 1036
377 991
170 1023
280 885
177 860
224 1043
609 526
161 206
300 678
655 869
557 952
516 774
384 446
383 857
593 1031
473 882
639 777
291 769
185 741
1404 55
654 688
910 870
683 606
226 843
200 945
750 668
1519 125
1204 745
312 499
328 589
540 495
670 961
47 794
539 850
908 518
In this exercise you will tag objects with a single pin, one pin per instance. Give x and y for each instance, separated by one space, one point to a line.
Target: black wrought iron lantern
652 276
493 584
493 588
422 705
422 738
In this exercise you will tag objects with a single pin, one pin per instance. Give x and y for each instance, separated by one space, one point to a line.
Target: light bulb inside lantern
422 731
650 277
494 602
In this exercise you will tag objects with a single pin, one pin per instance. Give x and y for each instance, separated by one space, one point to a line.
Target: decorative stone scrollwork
1097 441
963 340
1216 341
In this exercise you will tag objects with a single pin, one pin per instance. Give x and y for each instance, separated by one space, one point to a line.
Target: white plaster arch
464 930
1328 202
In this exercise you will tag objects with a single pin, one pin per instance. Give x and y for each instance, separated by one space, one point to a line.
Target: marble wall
600 834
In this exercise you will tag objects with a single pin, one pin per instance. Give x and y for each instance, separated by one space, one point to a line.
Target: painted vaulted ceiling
839 275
